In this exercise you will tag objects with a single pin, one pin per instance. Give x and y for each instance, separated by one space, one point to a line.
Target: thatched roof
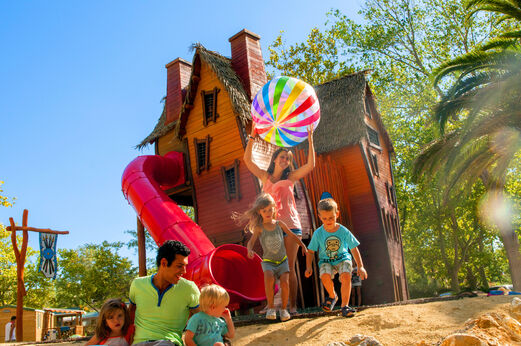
159 130
342 111
223 69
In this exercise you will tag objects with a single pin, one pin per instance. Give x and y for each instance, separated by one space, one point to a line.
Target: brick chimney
177 78
247 61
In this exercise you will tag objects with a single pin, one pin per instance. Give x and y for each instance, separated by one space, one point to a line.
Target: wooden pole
20 265
141 248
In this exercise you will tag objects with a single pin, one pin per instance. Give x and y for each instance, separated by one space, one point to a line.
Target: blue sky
81 84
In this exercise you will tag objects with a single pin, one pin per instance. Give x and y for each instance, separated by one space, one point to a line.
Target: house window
209 99
373 136
391 196
230 176
202 153
368 107
373 161
385 221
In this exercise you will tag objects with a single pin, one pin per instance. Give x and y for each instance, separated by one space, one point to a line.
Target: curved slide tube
143 183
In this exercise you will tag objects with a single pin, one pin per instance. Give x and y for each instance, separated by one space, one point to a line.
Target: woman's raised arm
304 170
252 167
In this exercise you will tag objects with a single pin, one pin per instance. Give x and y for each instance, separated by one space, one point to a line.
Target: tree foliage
91 274
485 95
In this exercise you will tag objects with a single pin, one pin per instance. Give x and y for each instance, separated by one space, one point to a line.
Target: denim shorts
277 269
296 231
340 268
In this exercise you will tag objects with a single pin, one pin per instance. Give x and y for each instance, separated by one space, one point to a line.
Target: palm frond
505 7
501 43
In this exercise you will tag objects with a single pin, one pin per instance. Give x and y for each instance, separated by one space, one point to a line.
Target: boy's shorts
340 268
277 269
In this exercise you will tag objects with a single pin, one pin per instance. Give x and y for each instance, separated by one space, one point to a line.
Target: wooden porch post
141 247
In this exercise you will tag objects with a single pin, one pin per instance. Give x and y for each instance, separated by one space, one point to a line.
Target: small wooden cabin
207 117
32 322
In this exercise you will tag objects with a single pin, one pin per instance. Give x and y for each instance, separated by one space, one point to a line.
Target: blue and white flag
48 263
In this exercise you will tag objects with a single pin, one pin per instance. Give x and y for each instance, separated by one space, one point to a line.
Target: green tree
91 274
7 268
485 95
4 201
402 41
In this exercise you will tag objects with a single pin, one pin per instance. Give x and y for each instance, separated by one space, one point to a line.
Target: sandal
348 311
329 304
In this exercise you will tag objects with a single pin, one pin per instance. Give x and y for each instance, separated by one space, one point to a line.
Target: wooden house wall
213 210
32 323
387 205
366 226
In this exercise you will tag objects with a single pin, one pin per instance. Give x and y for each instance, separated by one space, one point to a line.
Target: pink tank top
282 193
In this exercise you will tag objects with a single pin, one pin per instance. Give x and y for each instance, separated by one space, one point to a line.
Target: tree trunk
472 281
508 235
511 244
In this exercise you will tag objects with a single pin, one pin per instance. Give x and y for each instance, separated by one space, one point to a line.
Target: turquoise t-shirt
207 329
162 316
333 247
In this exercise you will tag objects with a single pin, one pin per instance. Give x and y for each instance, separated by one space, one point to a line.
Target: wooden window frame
368 131
202 166
214 116
227 194
392 192
373 161
368 110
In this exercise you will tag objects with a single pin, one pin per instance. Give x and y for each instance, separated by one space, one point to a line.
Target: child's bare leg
284 286
292 251
269 283
345 280
327 281
359 295
218 344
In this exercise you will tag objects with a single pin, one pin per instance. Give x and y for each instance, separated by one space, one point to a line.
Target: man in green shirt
163 302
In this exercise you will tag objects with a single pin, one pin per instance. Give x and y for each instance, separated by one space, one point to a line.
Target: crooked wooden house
207 117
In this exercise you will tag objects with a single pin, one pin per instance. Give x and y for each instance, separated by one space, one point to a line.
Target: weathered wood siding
388 211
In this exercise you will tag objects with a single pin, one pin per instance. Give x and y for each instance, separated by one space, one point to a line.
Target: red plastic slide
143 183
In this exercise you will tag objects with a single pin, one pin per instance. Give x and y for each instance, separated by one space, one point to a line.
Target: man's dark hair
169 249
13 318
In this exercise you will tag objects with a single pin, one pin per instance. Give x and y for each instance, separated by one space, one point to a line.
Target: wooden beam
141 248
33 229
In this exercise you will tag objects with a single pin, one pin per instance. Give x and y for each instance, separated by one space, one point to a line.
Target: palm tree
484 102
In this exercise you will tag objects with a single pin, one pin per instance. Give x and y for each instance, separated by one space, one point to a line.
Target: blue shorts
296 231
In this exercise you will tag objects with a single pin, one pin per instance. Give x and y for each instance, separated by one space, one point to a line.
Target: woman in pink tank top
278 180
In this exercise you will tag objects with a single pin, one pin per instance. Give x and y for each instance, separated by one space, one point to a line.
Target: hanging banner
48 263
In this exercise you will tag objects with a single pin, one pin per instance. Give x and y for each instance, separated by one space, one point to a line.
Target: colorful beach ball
283 109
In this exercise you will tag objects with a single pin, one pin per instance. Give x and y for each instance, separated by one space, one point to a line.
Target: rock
463 340
487 321
336 343
363 340
423 343
515 308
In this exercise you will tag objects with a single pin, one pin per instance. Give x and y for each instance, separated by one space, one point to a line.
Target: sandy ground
393 325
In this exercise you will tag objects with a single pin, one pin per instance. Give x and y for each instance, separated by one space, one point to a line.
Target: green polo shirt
162 316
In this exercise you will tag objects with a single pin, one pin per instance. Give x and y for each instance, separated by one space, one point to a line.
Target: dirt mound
494 328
